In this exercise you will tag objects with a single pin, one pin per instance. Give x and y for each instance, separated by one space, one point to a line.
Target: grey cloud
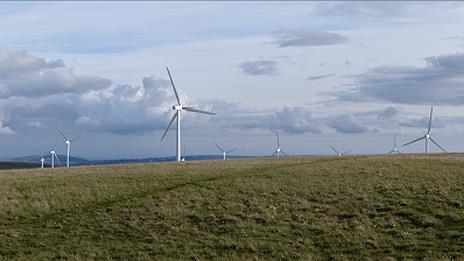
24 75
440 81
318 77
309 38
347 124
388 113
422 123
259 67
296 121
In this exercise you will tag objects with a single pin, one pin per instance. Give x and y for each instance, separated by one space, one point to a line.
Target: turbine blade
390 152
283 152
169 126
430 120
346 152
336 151
273 154
62 134
230 151
173 87
191 109
76 138
217 146
57 159
394 140
436 143
411 142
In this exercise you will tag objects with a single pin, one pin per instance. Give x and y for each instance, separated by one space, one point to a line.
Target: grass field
294 208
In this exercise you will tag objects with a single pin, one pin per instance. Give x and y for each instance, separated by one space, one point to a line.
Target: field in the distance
294 208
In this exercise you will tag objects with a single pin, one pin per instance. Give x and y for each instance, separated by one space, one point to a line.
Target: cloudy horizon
345 74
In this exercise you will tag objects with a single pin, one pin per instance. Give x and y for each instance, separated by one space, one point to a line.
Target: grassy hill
294 208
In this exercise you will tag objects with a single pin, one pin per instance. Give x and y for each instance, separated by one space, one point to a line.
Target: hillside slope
294 208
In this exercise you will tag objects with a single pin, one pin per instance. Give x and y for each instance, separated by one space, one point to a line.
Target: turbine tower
68 146
395 149
224 153
178 108
340 153
427 137
42 159
278 151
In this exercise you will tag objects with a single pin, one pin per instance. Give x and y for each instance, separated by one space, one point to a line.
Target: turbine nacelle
177 107
67 142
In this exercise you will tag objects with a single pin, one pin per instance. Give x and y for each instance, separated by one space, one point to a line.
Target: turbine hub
42 159
177 107
67 142
52 152
427 136
278 150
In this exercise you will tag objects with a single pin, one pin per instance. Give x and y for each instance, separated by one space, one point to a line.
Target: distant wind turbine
224 153
340 153
53 152
278 151
42 159
178 108
395 149
427 137
68 145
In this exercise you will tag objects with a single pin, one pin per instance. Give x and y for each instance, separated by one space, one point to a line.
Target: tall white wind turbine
278 151
224 152
395 149
68 146
178 108
427 137
340 153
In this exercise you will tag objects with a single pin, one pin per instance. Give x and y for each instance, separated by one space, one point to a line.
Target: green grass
295 208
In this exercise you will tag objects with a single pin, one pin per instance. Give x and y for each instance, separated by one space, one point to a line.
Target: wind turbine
340 153
42 159
395 149
68 146
178 108
427 137
278 151
224 153
53 152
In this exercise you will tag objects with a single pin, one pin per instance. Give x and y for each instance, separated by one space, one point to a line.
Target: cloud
56 96
297 120
440 81
388 113
308 38
422 123
24 75
361 10
318 77
347 123
259 67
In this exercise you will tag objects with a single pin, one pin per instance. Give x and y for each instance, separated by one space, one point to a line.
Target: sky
346 74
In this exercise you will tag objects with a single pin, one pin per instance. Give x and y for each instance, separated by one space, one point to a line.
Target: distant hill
81 161
62 160
17 165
